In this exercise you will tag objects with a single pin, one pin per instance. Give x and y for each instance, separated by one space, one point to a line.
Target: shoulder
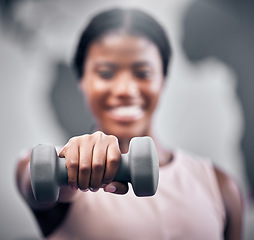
233 204
229 189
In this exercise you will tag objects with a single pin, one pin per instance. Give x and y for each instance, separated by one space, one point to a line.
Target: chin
127 131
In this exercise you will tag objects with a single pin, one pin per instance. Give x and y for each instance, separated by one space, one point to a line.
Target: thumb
117 187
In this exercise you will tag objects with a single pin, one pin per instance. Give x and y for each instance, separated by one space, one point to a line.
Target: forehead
123 47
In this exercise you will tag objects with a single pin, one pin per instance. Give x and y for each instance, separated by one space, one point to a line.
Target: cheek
94 92
91 88
152 94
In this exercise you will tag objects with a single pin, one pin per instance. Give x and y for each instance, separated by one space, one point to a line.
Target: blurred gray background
206 107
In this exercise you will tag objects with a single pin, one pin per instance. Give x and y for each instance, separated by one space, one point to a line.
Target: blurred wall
224 30
200 110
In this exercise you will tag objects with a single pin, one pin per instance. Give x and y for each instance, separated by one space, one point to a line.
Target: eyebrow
141 64
106 64
113 65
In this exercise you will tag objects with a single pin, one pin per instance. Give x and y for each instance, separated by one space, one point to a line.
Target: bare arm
233 205
49 216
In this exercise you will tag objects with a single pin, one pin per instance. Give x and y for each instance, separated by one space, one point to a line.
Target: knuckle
78 139
99 135
113 139
98 166
86 137
113 160
73 140
72 143
72 164
86 140
84 168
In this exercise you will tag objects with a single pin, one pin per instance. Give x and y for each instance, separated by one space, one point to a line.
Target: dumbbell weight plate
145 168
44 173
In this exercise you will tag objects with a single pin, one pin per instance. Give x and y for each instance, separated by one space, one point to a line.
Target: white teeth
127 111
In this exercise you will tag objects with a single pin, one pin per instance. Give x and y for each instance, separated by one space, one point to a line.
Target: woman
122 62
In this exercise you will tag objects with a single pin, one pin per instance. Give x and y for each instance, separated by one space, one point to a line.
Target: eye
142 74
106 74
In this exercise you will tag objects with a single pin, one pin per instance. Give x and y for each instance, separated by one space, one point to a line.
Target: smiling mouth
126 113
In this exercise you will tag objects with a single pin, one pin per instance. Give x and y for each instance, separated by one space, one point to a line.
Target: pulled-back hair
133 21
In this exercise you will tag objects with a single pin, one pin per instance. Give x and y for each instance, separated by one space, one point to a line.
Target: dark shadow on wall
22 34
226 31
68 103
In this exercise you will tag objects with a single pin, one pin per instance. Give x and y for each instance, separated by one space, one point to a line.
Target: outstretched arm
49 216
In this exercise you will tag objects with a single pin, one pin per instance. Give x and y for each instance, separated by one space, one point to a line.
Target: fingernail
84 190
94 189
74 187
111 189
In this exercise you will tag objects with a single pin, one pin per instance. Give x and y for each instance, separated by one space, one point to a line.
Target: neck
125 141
165 155
124 145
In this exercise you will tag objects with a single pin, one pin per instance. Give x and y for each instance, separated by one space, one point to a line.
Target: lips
126 113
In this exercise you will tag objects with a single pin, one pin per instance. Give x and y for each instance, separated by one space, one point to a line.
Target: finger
98 164
85 163
112 162
117 187
71 155
61 153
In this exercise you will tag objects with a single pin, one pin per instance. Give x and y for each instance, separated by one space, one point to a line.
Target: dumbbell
140 167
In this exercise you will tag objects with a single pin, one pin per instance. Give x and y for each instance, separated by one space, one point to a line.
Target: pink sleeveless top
187 205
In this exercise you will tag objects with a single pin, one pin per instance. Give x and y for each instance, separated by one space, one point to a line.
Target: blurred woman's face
122 82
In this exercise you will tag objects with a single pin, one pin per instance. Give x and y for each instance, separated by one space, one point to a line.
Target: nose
125 86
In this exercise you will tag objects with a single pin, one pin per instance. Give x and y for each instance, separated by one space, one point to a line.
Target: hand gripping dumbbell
140 167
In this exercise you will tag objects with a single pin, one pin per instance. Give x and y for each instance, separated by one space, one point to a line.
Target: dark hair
133 21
